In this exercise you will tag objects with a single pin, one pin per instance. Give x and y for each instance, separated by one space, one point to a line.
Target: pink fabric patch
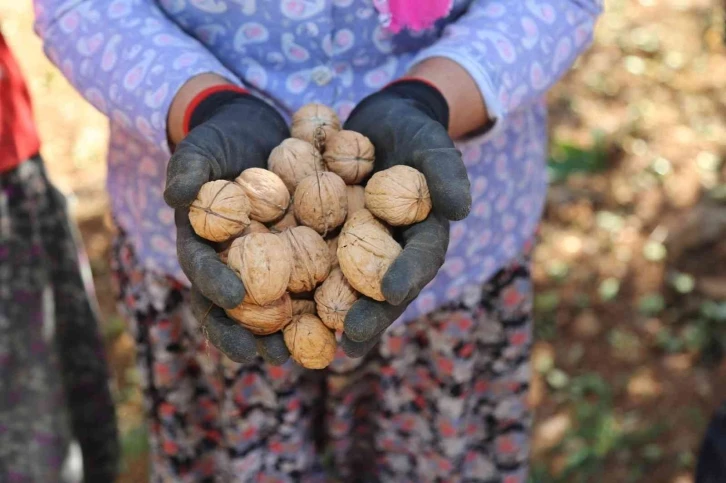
411 14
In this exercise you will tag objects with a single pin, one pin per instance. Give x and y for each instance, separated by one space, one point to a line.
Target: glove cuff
426 94
204 104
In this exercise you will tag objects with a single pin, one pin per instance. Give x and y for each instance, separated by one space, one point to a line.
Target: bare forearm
467 111
183 97
466 106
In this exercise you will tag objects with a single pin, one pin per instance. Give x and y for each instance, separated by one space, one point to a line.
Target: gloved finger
424 252
229 337
272 348
358 349
368 318
202 265
447 180
189 168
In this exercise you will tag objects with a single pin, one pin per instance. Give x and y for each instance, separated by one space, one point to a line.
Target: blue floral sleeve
125 57
516 50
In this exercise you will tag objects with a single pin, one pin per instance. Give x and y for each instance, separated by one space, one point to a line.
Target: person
430 385
53 374
711 462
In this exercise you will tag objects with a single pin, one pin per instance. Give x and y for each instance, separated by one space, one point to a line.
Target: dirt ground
630 271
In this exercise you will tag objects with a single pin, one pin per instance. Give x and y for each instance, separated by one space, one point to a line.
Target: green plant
567 158
598 434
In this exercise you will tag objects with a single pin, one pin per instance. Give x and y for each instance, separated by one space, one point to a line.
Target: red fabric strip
203 95
19 138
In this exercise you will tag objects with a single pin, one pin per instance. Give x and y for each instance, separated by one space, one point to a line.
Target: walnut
223 249
287 221
310 258
315 123
356 198
398 195
365 252
269 198
253 227
350 155
311 343
321 202
334 298
333 247
264 264
300 307
221 211
294 160
263 320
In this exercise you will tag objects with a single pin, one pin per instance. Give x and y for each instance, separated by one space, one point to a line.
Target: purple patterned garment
129 57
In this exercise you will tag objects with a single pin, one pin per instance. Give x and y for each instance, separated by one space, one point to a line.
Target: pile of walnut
305 236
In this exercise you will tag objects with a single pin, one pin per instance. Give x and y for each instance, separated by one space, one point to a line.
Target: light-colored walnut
321 202
220 211
263 320
310 342
398 196
334 298
253 227
356 198
310 258
223 249
315 123
365 252
333 247
268 195
287 221
293 160
264 264
300 307
350 155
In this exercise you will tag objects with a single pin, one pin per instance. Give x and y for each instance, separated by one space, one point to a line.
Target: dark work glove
407 123
229 131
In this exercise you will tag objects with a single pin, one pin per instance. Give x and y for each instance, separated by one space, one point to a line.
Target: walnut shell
300 307
350 155
287 221
221 211
269 198
263 320
365 252
315 123
321 202
356 198
310 342
398 195
264 263
253 227
333 247
293 160
310 258
334 298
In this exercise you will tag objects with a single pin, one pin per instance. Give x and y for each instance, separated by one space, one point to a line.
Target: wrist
194 91
207 102
468 112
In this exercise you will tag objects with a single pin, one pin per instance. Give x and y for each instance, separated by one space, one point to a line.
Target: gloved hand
228 132
407 123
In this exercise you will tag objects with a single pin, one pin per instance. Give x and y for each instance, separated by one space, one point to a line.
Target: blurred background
630 271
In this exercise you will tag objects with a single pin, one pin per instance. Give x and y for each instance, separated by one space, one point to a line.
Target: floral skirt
53 375
440 399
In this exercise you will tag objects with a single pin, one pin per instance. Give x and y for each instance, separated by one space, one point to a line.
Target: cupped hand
407 123
227 134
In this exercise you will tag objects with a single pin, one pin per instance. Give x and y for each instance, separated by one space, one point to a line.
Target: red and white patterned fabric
442 398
